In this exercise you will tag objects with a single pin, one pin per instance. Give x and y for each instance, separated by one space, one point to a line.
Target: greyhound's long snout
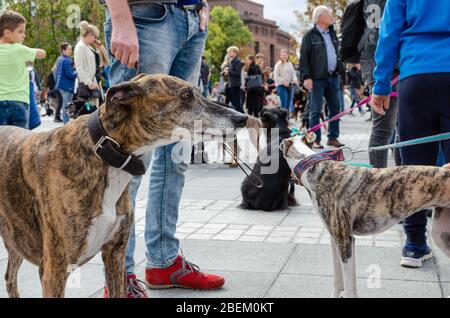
239 120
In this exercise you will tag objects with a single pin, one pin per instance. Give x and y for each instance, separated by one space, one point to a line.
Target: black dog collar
308 162
107 149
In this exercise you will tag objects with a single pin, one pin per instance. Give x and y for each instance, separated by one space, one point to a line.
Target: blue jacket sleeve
68 70
388 48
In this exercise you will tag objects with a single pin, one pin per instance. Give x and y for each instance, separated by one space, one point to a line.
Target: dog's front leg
14 262
114 261
113 255
348 264
338 284
54 273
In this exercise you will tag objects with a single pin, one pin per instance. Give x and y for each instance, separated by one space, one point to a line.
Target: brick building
269 39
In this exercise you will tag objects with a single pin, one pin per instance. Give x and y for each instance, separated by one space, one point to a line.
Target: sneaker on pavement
414 257
135 288
182 274
335 143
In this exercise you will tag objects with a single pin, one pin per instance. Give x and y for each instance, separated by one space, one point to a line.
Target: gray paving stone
249 217
213 193
237 255
200 216
443 264
297 219
446 290
317 260
302 286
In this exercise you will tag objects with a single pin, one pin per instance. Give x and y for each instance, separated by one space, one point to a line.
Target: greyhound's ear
122 95
286 145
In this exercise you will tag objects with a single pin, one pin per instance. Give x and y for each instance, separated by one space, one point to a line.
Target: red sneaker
182 274
135 288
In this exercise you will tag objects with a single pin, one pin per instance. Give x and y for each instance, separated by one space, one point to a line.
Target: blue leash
412 142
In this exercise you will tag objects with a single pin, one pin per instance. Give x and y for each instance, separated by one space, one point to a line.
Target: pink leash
348 111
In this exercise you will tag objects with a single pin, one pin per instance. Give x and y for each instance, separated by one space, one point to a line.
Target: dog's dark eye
187 93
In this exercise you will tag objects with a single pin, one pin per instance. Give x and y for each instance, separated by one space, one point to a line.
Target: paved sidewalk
262 254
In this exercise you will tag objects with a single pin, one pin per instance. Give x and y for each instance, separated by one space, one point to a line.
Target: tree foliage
226 28
52 22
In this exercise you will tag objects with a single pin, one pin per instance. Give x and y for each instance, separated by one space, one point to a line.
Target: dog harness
308 162
108 149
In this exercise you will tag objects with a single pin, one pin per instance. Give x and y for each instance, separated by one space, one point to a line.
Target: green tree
226 29
53 22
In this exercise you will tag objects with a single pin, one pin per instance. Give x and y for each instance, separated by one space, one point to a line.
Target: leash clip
347 153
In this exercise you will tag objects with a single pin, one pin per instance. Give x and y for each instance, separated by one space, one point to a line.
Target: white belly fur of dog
105 226
343 223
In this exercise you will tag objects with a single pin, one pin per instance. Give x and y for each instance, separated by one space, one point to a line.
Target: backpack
352 28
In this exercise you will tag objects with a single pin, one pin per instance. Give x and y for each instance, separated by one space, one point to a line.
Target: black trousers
235 98
424 110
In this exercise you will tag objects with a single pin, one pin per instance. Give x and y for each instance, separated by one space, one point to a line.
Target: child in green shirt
14 78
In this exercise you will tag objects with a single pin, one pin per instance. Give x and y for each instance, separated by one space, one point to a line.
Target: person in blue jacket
416 33
65 76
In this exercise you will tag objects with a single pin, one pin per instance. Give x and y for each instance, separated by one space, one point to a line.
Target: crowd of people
78 75
399 46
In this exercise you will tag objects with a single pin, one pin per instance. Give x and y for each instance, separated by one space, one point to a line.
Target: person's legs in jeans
133 188
283 93
417 119
383 129
14 114
341 100
66 99
332 97
166 53
316 103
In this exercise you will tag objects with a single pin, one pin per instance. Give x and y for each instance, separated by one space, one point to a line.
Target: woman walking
87 61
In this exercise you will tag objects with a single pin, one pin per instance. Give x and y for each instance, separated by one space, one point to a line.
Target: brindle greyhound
362 201
60 204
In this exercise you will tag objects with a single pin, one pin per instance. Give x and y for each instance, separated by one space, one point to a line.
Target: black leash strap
237 159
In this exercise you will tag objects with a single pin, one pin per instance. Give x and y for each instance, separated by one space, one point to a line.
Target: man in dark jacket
320 67
235 74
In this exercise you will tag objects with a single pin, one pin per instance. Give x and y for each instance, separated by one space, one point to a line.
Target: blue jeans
170 42
285 95
66 99
341 100
423 111
328 88
14 113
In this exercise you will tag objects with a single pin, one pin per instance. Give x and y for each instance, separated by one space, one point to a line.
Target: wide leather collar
109 151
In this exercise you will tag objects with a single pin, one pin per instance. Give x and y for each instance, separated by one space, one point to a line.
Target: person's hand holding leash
124 40
380 103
